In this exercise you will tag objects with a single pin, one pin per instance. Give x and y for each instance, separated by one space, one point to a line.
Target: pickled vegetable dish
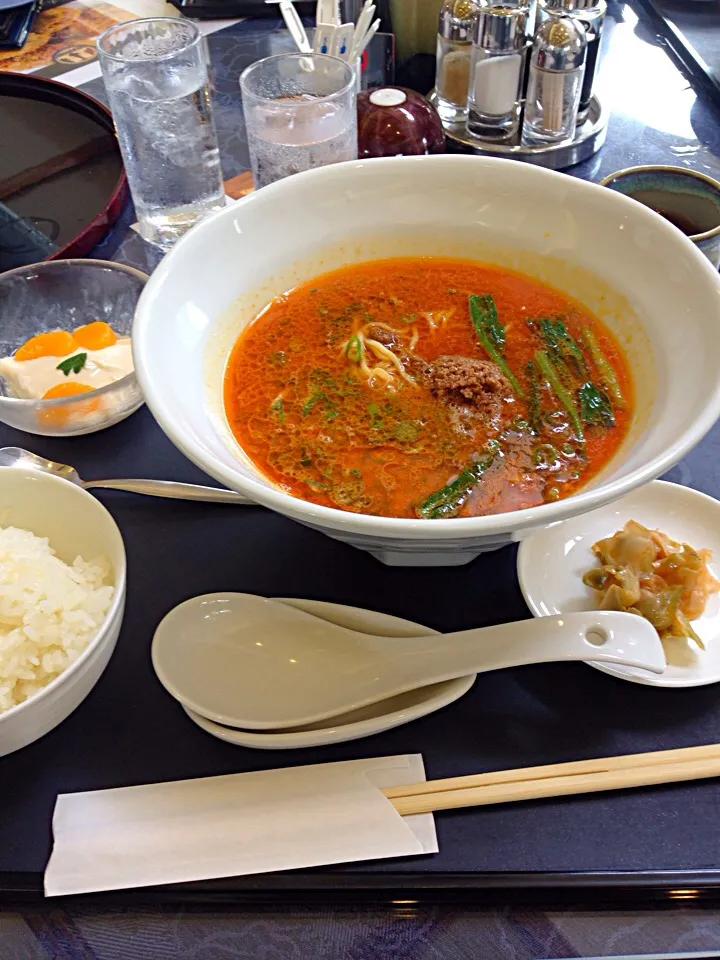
645 572
428 388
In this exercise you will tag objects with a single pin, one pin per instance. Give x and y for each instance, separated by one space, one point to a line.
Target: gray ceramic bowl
688 199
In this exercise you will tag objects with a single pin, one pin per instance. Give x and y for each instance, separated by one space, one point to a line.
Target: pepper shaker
591 13
496 71
454 47
557 66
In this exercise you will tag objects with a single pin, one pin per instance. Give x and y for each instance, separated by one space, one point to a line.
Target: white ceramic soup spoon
246 661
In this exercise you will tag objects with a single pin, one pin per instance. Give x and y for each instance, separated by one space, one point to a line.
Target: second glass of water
156 78
300 113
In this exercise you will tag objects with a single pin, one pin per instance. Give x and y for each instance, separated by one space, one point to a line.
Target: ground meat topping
415 365
384 335
465 381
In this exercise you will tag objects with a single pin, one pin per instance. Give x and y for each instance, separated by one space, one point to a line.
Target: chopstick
558 779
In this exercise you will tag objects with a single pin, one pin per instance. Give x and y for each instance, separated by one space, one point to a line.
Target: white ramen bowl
75 523
641 275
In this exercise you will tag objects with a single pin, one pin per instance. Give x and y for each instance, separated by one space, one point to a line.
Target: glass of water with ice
156 78
300 112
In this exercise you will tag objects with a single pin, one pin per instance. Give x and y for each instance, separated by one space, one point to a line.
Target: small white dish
551 565
360 723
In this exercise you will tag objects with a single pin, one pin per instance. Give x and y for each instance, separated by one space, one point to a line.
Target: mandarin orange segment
55 343
59 418
66 390
95 335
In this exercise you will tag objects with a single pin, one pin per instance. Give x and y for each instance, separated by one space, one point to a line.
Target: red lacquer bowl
394 121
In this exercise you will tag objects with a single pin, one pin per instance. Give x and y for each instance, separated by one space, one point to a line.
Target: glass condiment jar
497 71
557 66
591 13
454 48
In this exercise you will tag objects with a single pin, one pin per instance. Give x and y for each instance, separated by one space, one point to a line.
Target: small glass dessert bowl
66 363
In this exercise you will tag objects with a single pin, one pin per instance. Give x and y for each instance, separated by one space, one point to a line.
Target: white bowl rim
459 528
61 402
117 602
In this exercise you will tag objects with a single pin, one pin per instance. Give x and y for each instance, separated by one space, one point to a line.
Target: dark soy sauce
688 226
688 212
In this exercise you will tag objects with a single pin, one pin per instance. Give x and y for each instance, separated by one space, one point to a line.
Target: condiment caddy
585 142
527 68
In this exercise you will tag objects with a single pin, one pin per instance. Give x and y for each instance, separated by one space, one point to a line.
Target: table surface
531 715
690 27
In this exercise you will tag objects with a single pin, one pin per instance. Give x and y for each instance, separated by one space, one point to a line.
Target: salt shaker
496 71
557 66
591 13
454 46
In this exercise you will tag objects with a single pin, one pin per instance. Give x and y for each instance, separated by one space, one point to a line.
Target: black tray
636 844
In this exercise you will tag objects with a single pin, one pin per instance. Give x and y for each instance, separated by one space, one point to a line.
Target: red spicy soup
423 387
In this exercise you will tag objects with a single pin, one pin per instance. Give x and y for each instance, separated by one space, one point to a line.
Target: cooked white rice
49 612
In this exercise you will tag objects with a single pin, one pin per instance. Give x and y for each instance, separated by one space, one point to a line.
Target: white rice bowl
49 612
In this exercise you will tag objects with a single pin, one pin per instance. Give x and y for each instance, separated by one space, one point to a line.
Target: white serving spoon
294 24
361 28
246 661
324 39
342 41
371 720
360 45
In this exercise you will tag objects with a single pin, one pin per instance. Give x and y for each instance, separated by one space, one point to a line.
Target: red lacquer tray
62 182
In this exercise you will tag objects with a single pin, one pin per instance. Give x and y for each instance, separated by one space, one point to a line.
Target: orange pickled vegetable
96 335
55 343
66 390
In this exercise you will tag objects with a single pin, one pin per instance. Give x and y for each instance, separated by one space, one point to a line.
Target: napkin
234 825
